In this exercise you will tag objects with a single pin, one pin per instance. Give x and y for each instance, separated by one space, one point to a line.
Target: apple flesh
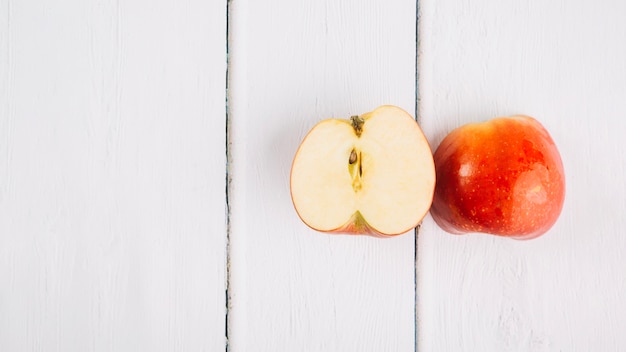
502 177
372 174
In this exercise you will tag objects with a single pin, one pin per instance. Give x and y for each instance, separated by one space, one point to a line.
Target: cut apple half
371 174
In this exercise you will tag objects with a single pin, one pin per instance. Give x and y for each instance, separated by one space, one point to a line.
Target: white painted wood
564 63
112 175
294 63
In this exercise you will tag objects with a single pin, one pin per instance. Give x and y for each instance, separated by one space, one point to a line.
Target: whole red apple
503 177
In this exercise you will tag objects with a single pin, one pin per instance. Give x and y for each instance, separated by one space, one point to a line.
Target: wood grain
564 63
294 63
112 175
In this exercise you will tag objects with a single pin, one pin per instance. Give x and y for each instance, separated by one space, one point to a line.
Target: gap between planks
228 176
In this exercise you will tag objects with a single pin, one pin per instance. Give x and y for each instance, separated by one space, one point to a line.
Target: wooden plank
294 63
562 62
112 176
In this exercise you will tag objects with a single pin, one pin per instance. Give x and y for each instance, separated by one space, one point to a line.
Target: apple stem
357 124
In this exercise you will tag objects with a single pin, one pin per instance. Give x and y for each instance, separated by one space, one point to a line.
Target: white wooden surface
563 62
112 175
113 228
292 64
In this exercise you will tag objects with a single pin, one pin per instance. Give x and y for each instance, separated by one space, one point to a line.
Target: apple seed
352 159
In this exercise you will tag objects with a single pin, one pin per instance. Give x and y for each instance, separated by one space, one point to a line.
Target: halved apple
372 174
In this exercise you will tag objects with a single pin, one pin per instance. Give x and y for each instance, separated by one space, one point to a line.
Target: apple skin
502 177
358 226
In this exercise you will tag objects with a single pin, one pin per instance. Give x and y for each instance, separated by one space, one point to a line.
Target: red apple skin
358 226
352 228
503 177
